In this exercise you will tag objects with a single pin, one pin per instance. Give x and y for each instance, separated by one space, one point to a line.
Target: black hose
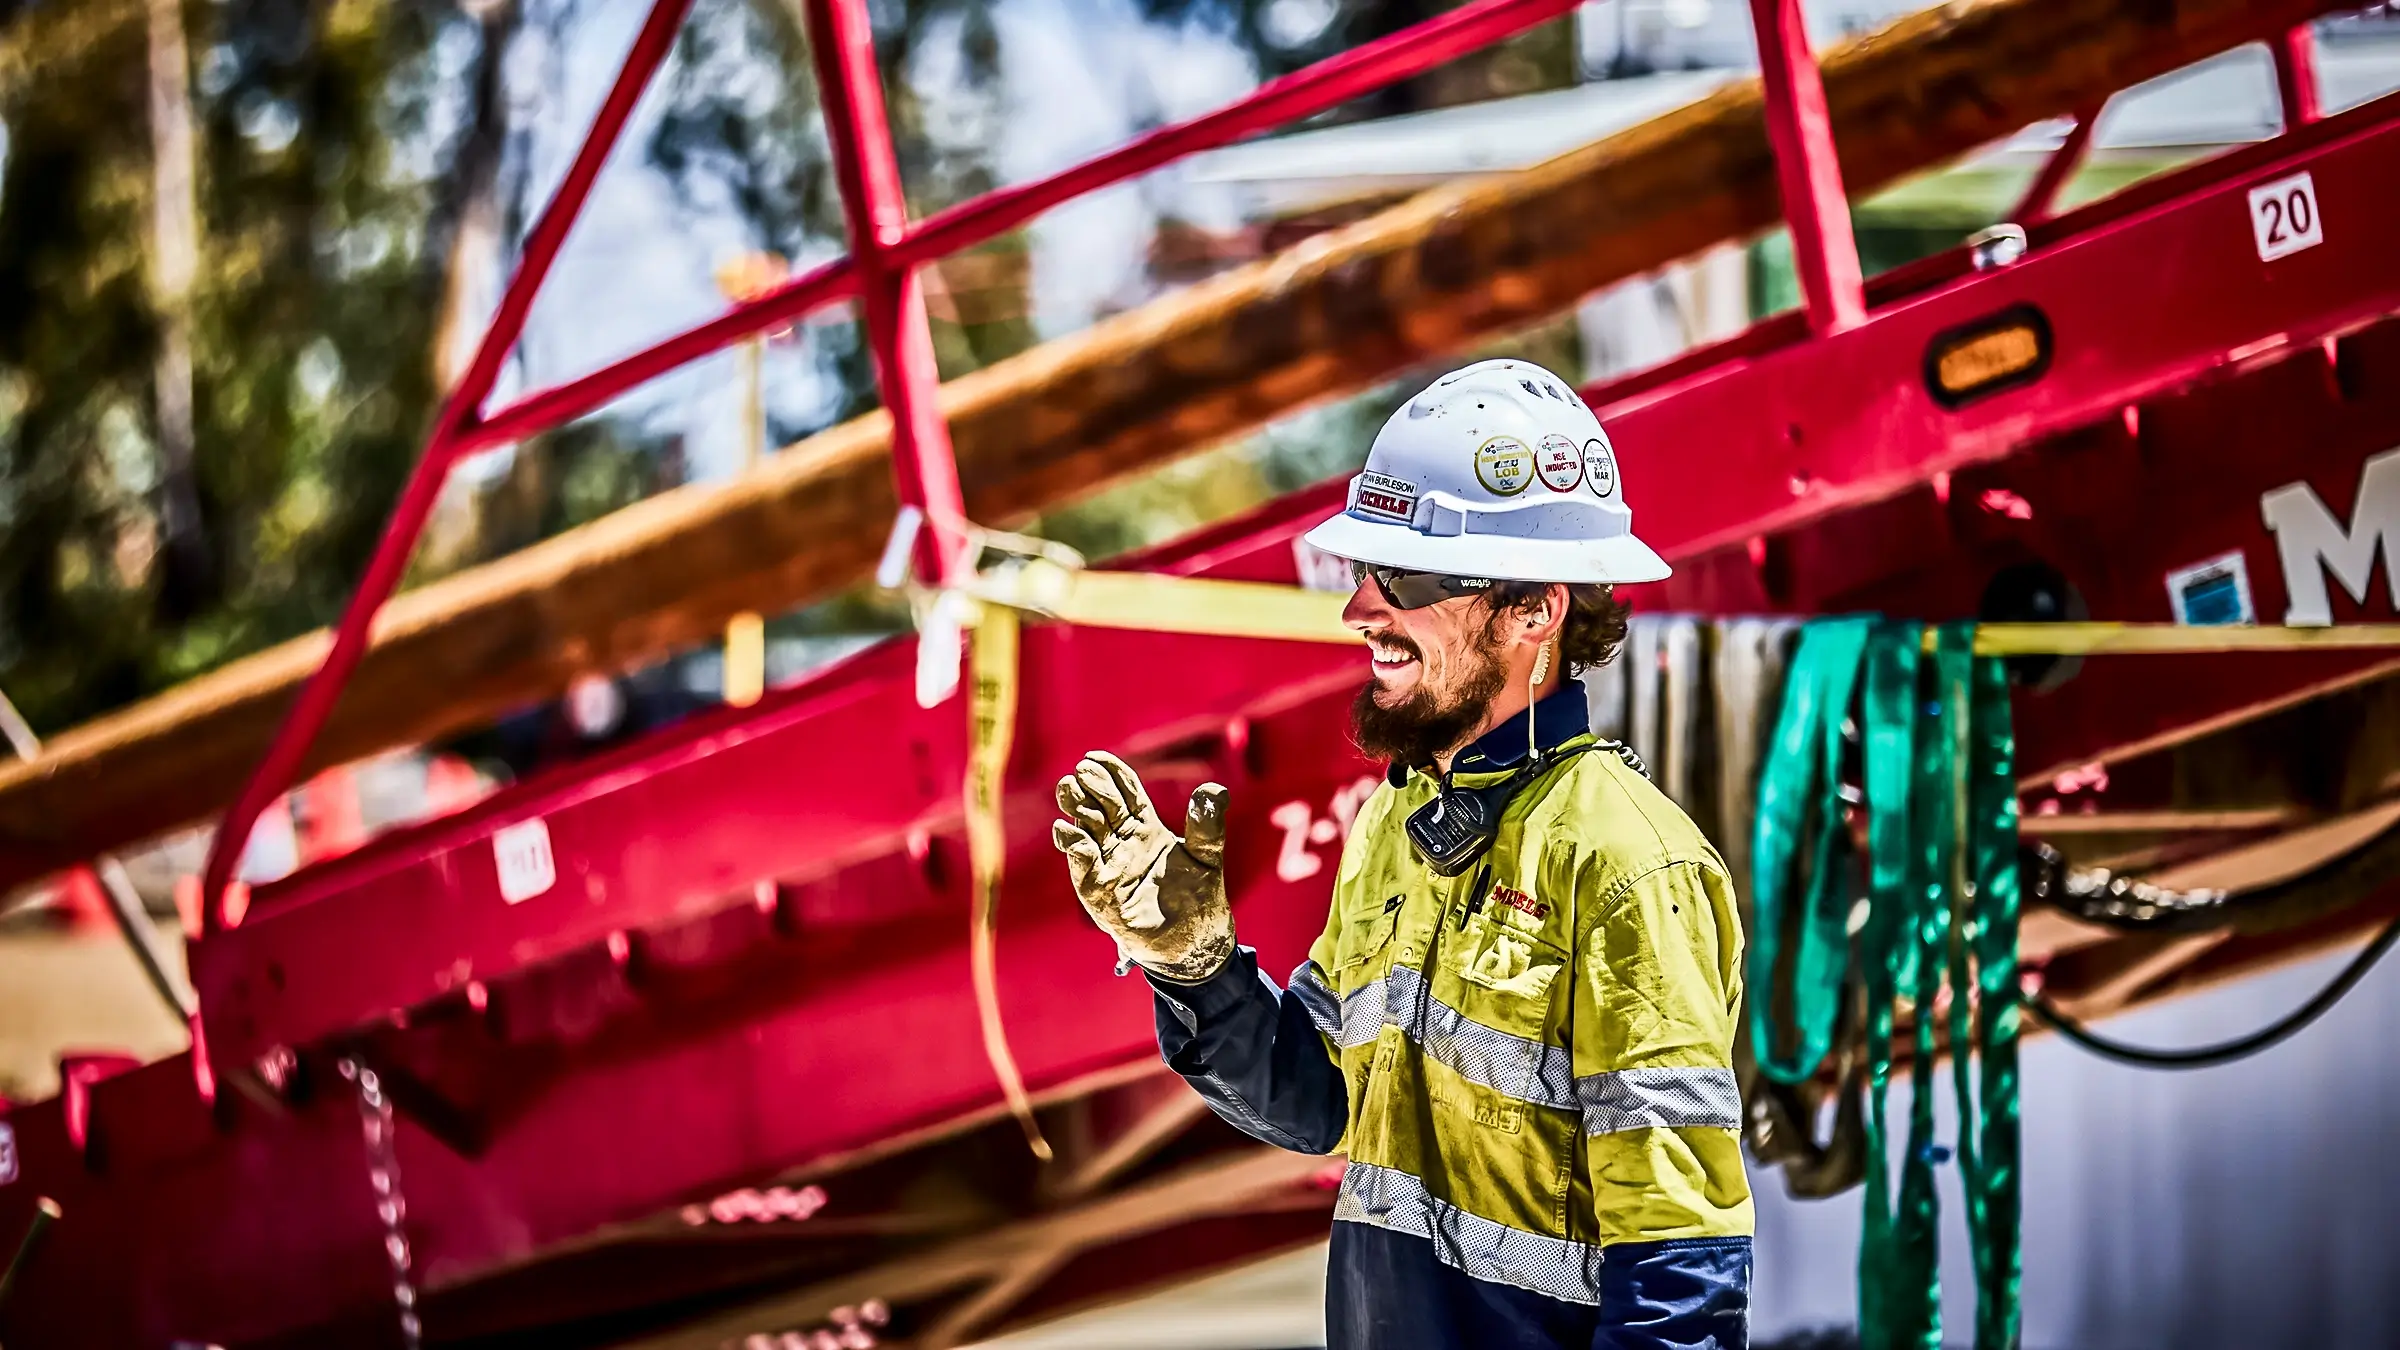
2200 1057
45 1213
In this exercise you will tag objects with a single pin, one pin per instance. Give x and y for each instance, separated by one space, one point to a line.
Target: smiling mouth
1390 659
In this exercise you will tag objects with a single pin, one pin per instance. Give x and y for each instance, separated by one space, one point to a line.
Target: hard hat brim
1623 560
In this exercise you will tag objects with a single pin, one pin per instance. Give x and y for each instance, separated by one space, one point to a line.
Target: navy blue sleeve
1253 1053
1680 1294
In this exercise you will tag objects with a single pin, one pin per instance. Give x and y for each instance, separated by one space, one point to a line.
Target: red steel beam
669 827
316 699
858 1033
1824 252
570 1011
2296 75
1804 430
894 308
1850 412
2113 513
842 44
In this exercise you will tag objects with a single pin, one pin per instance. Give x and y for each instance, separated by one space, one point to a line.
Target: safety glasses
1415 590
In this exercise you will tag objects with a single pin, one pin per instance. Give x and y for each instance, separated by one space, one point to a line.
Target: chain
2101 896
2101 893
852 1328
383 1174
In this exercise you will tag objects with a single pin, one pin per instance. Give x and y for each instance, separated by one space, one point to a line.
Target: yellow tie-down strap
1048 580
1167 604
1164 604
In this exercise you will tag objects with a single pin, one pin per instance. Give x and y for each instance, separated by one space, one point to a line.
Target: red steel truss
879 272
750 962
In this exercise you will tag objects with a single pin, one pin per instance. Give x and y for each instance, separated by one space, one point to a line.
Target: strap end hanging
891 572
943 618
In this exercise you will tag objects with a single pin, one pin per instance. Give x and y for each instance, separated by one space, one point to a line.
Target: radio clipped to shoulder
1458 825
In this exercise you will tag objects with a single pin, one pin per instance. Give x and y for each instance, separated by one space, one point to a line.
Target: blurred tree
344 184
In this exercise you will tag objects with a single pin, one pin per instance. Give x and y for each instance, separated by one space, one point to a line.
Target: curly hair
1595 625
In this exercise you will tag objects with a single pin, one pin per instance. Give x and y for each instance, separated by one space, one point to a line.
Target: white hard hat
1497 470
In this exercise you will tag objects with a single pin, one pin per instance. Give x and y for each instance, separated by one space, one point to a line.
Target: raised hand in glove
1161 898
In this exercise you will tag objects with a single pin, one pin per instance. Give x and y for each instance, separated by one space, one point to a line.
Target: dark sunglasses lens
1403 589
1359 572
1414 590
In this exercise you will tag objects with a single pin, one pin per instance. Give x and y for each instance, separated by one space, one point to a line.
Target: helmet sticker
1559 463
1504 465
1380 494
1601 465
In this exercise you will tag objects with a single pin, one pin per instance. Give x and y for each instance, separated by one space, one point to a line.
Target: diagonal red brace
2040 201
2296 75
880 274
891 299
458 415
1824 251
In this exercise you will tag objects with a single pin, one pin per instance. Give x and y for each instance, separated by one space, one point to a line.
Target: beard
1424 724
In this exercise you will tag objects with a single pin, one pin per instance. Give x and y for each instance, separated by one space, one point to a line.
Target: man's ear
1546 613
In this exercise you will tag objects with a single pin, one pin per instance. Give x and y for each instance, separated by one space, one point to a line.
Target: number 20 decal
2284 217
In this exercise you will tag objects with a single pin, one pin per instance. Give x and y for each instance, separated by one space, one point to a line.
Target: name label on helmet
1504 465
1380 494
1600 465
1559 463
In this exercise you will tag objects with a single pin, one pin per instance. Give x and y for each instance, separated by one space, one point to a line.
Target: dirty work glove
1161 898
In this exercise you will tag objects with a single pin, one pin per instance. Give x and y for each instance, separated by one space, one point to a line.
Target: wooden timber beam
1440 272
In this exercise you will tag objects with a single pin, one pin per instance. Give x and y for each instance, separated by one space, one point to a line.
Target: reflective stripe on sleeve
1480 1248
1641 1099
1363 1012
1323 1005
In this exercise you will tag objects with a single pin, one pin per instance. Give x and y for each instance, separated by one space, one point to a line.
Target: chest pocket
1366 936
1509 977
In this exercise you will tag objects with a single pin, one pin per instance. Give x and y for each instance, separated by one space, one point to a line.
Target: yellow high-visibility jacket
1528 1065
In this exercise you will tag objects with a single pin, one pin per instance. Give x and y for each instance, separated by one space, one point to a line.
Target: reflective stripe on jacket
1529 1066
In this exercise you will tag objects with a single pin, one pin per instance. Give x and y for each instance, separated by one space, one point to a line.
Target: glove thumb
1204 826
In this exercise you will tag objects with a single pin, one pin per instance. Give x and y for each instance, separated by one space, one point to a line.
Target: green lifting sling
1938 931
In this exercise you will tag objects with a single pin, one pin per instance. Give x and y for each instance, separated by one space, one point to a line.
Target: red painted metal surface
1801 430
2295 56
787 792
2112 512
871 197
762 910
1824 252
836 1022
1846 420
892 299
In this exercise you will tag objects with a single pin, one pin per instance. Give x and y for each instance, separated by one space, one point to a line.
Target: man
1518 1023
